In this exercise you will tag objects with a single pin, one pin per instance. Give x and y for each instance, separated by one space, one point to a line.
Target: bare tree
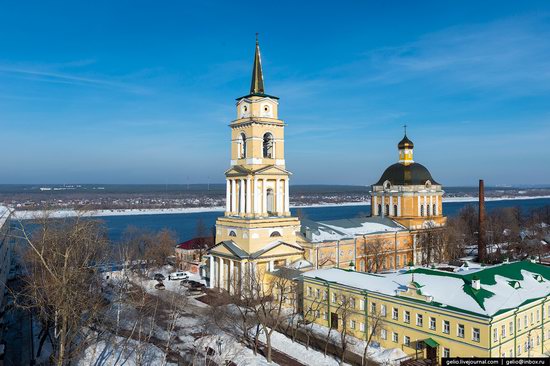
63 282
376 325
375 252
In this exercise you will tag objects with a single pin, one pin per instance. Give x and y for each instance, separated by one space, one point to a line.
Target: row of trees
63 281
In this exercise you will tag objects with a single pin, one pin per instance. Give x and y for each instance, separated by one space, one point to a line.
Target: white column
264 196
418 201
241 195
431 205
233 196
231 277
383 206
391 205
212 272
271 265
227 196
287 197
242 269
425 201
399 206
220 270
256 196
278 197
248 195
437 205
374 207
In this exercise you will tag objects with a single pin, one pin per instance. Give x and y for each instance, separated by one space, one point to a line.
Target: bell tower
257 215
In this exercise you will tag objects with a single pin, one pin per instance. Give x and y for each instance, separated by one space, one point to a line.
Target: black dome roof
406 175
405 143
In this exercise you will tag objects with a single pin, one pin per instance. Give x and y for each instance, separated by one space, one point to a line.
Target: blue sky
143 91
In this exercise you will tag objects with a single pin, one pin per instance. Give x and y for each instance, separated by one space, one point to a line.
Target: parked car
159 277
184 283
178 276
160 286
194 285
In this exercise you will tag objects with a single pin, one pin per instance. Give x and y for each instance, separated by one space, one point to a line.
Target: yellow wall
458 347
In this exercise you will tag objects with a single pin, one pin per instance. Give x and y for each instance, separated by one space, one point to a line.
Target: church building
257 231
405 201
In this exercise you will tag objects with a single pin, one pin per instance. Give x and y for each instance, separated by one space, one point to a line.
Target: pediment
278 249
272 169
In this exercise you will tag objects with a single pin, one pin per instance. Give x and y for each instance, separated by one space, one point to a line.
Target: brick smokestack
481 242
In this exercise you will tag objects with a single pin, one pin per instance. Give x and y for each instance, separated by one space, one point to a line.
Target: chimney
481 244
476 283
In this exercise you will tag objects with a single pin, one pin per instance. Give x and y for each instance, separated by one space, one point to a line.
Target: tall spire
257 86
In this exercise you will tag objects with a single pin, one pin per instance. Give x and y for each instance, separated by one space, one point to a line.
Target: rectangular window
333 298
383 334
419 320
503 331
373 307
325 315
460 331
317 314
495 334
407 316
395 337
511 328
352 324
446 326
317 293
352 302
525 321
446 352
475 335
395 314
309 291
362 304
519 324
325 295
362 327
383 310
519 349
531 317
432 323
538 315
407 341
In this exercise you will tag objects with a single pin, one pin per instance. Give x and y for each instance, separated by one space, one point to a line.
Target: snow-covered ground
26 215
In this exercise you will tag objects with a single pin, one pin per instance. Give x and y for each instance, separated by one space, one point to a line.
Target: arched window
270 201
232 233
394 210
427 210
379 210
387 210
434 211
268 146
242 143
275 234
422 210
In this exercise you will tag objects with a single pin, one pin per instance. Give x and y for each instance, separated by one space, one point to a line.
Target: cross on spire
405 128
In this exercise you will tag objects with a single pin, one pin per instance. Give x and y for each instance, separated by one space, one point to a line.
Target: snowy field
193 333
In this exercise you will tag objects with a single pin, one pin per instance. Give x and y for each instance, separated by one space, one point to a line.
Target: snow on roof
318 231
503 287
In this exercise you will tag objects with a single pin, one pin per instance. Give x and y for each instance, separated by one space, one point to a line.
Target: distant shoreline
28 215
